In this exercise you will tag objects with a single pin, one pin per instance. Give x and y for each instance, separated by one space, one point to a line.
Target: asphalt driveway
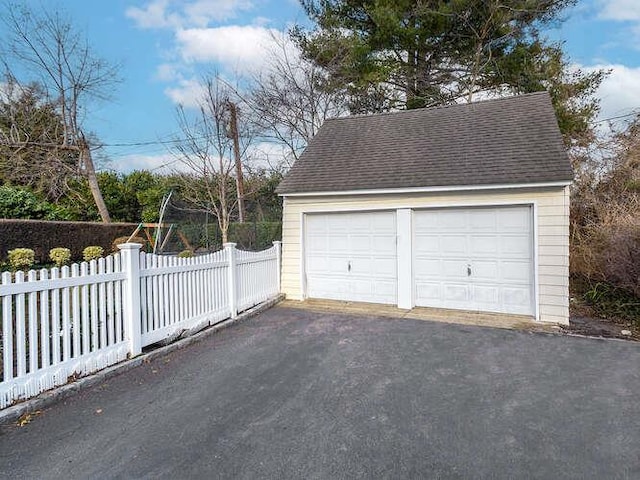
296 394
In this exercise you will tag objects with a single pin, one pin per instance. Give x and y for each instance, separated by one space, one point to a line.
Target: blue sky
164 46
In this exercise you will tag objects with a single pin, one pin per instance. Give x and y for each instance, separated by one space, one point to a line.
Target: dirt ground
584 321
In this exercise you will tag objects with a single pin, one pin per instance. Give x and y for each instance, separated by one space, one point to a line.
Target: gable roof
507 141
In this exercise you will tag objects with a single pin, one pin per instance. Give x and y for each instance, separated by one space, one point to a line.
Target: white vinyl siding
551 210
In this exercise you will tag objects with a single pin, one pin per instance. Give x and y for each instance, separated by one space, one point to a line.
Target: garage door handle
468 270
348 266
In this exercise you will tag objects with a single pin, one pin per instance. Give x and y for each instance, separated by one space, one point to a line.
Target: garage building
458 207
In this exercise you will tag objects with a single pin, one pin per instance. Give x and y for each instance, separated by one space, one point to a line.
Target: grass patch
607 301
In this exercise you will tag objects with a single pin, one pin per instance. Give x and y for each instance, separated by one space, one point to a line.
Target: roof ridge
439 107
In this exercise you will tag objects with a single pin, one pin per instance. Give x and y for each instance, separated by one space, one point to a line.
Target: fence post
278 245
131 265
230 248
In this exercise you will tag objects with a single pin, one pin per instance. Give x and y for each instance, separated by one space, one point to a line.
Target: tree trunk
236 152
90 172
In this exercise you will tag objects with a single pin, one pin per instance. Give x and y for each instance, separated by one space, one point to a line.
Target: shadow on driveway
300 394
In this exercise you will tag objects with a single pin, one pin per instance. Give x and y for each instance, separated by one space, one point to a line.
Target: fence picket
85 308
7 331
78 319
32 301
118 298
20 329
75 306
66 318
110 305
102 305
45 330
93 299
55 319
162 284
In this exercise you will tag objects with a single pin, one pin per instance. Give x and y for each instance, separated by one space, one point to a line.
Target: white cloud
241 48
161 163
180 14
620 10
188 93
154 15
620 91
268 155
167 72
202 12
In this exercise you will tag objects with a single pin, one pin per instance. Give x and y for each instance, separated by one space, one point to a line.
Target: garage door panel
360 243
378 267
428 268
516 271
485 270
483 221
519 245
337 244
386 288
318 265
486 295
429 290
456 292
454 269
517 299
324 287
484 245
426 245
495 242
340 224
453 244
447 220
384 243
384 267
317 243
512 220
365 242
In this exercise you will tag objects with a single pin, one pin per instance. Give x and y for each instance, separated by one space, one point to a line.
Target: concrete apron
462 317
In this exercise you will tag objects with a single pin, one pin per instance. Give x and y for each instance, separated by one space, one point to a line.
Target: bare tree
291 98
48 46
28 122
206 153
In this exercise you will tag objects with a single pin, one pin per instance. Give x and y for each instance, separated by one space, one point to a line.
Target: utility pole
233 121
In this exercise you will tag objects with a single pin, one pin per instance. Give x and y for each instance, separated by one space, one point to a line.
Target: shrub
42 236
121 240
20 258
60 256
92 252
185 254
19 202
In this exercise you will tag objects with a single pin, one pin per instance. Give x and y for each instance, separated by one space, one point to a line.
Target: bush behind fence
41 236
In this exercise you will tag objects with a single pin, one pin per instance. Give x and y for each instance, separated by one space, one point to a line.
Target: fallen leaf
99 411
27 417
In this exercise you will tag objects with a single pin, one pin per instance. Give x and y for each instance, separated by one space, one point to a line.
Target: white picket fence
60 324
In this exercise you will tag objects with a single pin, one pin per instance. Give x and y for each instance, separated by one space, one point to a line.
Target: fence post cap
130 246
229 245
277 242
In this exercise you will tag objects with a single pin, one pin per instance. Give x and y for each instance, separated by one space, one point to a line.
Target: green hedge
41 236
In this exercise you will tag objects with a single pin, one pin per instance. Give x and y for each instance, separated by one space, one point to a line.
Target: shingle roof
514 140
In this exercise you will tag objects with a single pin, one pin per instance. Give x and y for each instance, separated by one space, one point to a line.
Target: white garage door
474 259
351 256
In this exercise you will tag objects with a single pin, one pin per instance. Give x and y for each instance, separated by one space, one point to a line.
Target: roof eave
448 188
